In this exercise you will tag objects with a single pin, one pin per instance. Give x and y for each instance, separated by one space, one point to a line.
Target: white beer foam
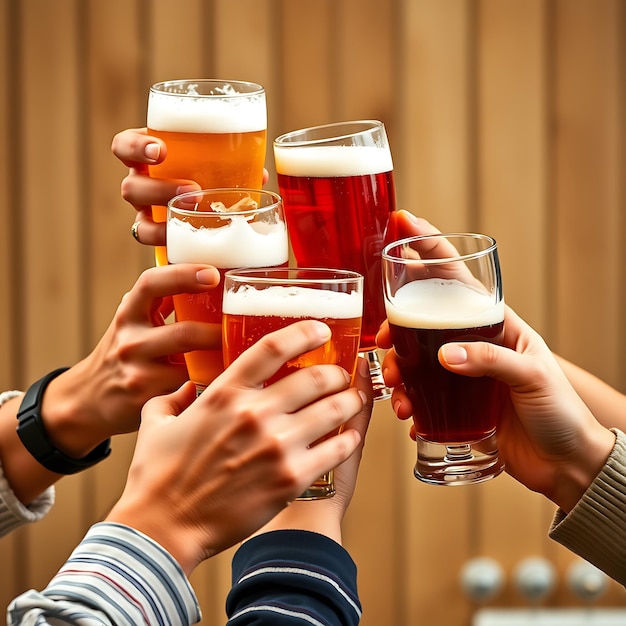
209 114
333 161
239 244
440 304
293 302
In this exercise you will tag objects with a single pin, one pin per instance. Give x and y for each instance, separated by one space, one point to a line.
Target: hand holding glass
440 289
226 228
257 302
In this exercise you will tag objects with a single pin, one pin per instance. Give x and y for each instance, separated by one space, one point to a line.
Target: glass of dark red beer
336 182
439 289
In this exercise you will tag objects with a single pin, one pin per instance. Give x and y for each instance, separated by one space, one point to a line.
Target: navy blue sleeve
293 577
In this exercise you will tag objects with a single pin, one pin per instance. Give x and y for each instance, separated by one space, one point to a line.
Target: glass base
322 488
458 464
381 391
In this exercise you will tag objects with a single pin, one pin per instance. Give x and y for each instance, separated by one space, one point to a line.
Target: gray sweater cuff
595 528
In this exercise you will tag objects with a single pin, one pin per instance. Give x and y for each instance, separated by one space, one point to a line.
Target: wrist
72 425
139 513
576 476
323 517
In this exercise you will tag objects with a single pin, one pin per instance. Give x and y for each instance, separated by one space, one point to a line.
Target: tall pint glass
257 302
215 131
337 184
439 289
226 228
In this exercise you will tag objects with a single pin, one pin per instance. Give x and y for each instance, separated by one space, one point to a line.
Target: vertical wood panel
52 221
586 183
114 99
433 159
511 205
512 146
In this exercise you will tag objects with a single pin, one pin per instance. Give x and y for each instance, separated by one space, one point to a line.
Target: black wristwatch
31 431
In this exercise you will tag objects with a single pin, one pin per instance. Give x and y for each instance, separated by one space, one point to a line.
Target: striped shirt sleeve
13 513
293 577
115 576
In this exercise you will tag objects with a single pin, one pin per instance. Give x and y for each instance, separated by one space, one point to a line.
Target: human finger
143 300
134 146
262 360
143 191
168 407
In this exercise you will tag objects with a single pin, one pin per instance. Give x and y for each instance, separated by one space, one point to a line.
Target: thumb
168 407
481 358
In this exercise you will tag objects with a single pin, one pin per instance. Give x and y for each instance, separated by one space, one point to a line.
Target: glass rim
284 140
254 88
387 256
263 275
277 201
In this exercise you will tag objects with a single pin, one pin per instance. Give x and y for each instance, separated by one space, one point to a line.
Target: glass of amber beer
226 228
337 184
215 131
257 302
440 289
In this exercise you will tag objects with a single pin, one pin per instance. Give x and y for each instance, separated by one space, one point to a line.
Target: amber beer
425 314
253 238
215 132
259 302
338 200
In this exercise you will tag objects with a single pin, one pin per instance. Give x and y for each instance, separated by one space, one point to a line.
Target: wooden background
504 116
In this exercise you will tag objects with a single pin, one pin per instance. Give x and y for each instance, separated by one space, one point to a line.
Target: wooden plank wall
505 116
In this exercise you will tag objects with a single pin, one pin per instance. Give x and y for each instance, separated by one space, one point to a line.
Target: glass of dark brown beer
259 301
226 228
336 181
440 289
215 131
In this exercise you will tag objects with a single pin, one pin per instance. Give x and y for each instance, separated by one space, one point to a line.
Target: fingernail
363 396
396 406
454 354
152 151
208 276
186 189
410 215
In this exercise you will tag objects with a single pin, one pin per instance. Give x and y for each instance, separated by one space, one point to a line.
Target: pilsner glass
440 289
257 302
337 184
226 228
215 131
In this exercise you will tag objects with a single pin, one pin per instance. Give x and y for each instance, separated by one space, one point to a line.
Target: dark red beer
448 408
342 222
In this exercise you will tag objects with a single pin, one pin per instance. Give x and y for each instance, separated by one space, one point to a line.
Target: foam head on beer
224 109
251 312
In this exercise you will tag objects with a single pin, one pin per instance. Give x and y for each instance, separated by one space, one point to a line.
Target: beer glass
215 131
440 289
337 184
226 228
257 302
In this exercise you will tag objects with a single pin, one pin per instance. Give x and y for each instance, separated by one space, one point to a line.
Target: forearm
606 403
115 576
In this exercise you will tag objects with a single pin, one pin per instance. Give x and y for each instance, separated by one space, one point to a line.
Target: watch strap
33 435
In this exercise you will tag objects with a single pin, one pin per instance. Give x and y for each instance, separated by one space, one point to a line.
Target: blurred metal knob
535 578
482 579
586 581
